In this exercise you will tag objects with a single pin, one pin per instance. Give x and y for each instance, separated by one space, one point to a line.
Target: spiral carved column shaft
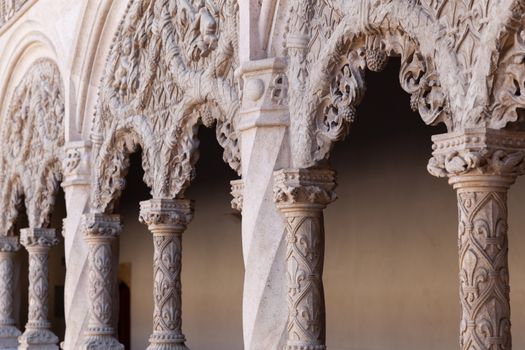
100 232
301 195
8 332
38 335
481 165
167 219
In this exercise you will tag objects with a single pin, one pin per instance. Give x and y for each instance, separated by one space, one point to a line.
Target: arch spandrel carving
31 157
448 53
171 66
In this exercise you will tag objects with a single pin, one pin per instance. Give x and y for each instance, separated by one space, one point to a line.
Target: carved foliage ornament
33 147
329 45
170 70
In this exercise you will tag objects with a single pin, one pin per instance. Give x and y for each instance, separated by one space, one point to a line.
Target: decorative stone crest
77 164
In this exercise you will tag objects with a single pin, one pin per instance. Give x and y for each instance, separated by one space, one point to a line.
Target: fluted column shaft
8 332
167 219
301 195
38 333
481 165
100 231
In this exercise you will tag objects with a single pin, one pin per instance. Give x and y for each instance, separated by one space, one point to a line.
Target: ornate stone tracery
162 89
33 152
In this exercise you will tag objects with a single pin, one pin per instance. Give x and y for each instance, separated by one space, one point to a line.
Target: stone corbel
237 192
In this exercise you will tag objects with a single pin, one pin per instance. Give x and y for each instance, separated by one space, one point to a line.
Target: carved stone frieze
194 47
301 195
38 334
33 139
167 220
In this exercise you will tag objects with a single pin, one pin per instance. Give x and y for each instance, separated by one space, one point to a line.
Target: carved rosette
481 165
167 219
301 195
38 334
100 230
8 332
237 193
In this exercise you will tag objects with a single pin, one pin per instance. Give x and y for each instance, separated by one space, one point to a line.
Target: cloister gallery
90 89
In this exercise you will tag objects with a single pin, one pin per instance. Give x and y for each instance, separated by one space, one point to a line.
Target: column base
101 342
9 337
38 339
161 341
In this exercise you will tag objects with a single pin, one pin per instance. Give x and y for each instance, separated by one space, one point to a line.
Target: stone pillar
38 335
100 231
8 332
481 165
76 184
301 195
264 119
167 219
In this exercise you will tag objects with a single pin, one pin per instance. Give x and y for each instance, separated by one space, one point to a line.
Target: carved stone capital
304 187
38 237
76 164
264 93
496 155
101 226
174 214
237 193
9 244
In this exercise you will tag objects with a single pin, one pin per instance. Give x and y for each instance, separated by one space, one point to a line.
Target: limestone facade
84 84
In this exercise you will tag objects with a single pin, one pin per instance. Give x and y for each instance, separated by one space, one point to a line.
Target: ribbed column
100 231
481 165
167 219
301 195
8 332
38 334
76 184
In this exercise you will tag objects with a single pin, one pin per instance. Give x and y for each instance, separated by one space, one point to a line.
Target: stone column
167 219
264 119
301 195
38 335
481 165
100 231
8 332
77 180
